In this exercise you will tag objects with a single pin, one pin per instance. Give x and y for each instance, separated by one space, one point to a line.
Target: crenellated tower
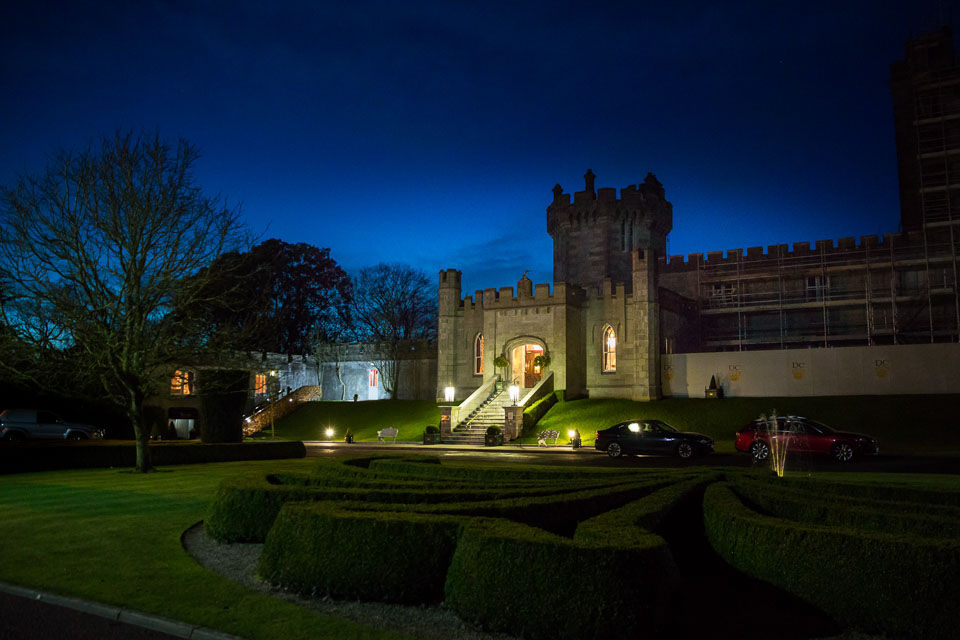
595 236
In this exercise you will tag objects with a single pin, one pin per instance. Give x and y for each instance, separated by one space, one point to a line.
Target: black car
651 437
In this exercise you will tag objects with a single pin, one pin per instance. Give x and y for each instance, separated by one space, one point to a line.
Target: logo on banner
882 367
798 368
734 370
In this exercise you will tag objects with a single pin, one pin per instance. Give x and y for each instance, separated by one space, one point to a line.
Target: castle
624 320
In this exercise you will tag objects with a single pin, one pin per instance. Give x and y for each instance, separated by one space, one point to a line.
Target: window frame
608 360
478 354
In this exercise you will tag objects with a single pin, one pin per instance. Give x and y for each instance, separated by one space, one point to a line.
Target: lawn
903 424
311 420
113 536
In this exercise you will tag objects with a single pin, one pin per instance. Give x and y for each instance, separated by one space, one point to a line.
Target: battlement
504 298
450 278
644 202
872 246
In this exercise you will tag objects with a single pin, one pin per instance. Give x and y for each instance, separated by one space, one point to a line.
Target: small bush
431 429
493 431
533 413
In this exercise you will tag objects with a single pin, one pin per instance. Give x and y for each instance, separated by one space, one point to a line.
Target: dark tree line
114 265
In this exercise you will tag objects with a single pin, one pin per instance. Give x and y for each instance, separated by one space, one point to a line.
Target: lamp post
449 393
514 391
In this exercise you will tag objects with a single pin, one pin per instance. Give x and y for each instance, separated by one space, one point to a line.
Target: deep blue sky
432 132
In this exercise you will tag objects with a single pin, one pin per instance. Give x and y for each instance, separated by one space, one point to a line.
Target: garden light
514 393
329 433
574 438
449 393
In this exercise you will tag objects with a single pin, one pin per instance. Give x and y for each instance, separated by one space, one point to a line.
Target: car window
48 417
663 426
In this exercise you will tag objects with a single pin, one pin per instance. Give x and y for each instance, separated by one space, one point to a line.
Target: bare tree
93 252
394 306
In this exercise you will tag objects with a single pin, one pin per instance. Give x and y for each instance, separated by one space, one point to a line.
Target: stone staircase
474 427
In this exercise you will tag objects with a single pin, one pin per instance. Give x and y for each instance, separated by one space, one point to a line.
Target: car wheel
842 452
685 450
760 450
614 450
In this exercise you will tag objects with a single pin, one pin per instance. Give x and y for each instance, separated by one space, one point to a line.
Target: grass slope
903 424
311 420
113 536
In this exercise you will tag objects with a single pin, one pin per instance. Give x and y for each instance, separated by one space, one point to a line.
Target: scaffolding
901 290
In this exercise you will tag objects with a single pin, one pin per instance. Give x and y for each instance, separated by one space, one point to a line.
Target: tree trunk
142 437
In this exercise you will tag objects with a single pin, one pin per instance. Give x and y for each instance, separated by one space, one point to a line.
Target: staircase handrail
473 401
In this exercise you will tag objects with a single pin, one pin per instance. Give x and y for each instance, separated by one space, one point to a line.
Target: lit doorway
522 370
184 422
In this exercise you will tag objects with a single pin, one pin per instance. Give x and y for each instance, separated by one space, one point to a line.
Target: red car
803 435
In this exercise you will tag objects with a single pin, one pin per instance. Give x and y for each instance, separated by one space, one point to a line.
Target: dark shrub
224 393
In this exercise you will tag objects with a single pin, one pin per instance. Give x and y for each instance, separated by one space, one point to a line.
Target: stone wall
877 370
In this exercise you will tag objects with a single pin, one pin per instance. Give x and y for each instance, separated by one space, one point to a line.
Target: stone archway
521 352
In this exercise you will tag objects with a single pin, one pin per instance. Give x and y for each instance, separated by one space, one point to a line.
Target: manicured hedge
902 585
509 577
533 413
487 566
838 511
883 492
245 507
46 456
324 550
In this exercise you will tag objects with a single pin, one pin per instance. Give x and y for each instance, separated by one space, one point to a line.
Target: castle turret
448 299
595 235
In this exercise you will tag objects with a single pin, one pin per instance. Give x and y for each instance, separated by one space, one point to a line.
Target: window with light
260 384
478 354
182 383
609 349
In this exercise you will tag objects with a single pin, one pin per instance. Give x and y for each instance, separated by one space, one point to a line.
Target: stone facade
613 282
599 326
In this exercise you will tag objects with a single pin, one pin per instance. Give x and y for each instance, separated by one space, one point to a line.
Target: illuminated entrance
522 370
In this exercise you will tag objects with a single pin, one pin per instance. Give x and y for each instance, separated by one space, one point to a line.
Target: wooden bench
389 432
543 436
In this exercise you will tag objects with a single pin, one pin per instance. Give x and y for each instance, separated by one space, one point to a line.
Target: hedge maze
883 559
544 552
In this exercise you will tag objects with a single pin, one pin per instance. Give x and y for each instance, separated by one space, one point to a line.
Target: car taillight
596 435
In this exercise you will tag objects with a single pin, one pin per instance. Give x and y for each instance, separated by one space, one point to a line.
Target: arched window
478 354
609 349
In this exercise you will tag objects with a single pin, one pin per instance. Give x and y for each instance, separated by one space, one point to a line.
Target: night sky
433 133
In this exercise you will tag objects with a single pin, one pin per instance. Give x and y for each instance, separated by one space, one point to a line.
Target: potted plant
348 436
542 361
431 435
494 437
501 362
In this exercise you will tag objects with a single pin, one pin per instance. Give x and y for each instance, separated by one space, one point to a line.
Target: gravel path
238 562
